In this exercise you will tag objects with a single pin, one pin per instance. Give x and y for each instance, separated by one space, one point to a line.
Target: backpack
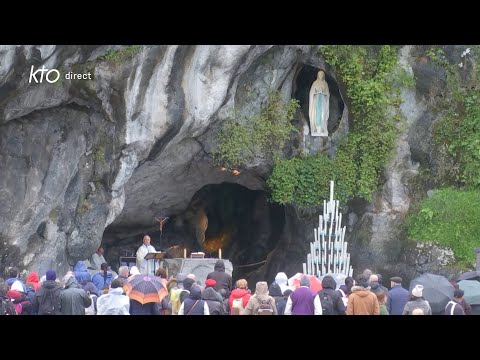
48 303
237 306
452 309
344 298
265 307
327 303
6 307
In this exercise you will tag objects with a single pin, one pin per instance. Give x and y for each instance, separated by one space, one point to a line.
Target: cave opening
304 80
240 221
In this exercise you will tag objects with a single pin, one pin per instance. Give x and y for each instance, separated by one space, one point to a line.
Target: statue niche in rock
318 110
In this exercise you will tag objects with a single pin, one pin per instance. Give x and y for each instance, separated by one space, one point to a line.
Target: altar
201 267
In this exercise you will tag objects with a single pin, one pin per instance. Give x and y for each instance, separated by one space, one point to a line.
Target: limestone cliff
135 141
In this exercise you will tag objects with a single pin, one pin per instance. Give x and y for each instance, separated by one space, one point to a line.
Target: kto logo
51 78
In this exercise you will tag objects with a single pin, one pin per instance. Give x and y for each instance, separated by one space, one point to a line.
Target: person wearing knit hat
213 298
210 282
47 296
14 295
51 275
418 291
417 302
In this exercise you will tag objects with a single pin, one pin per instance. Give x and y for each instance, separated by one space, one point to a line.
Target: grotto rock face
78 157
131 144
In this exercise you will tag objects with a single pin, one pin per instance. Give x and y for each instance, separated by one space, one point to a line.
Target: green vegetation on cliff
457 134
240 140
118 56
449 218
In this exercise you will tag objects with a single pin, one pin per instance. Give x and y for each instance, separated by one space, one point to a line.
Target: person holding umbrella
146 293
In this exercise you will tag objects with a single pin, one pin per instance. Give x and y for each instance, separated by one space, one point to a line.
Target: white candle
304 268
321 259
347 266
220 253
312 253
336 208
339 224
184 253
331 191
332 258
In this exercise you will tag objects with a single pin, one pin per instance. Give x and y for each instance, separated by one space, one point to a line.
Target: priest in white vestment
145 266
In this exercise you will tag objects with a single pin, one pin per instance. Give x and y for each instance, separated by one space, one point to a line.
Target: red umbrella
145 288
315 283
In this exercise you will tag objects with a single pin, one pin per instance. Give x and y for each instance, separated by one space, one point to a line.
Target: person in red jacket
239 297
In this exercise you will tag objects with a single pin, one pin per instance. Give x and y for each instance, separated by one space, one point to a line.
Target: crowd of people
78 293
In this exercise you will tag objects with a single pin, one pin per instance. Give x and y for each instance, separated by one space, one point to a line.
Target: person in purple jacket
397 297
303 301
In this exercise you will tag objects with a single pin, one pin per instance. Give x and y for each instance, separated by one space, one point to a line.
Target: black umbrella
470 275
437 290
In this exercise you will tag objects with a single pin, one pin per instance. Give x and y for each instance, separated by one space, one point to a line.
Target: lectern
153 256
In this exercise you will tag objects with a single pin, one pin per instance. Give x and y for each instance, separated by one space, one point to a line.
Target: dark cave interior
242 222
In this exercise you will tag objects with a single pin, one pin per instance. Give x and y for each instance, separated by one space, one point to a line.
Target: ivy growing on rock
242 139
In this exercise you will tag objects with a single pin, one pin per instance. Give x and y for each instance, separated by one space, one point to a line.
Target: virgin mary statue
318 110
